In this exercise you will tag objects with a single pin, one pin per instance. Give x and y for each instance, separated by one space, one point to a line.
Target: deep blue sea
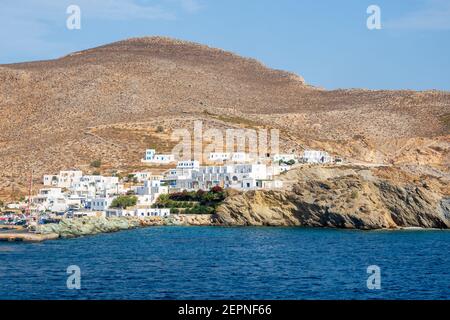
231 263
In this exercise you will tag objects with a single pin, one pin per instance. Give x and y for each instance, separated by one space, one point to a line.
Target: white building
101 204
316 156
138 212
236 176
236 157
183 171
51 180
149 155
152 212
218 156
152 157
94 214
149 192
119 213
142 176
92 186
241 157
269 184
51 199
64 179
84 189
92 192
152 187
75 202
190 164
284 157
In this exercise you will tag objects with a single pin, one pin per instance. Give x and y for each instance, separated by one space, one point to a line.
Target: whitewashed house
91 186
236 157
50 199
284 157
241 157
93 214
269 184
189 164
173 177
51 180
142 176
149 154
153 158
101 204
149 192
316 157
156 177
244 176
236 176
138 212
92 192
218 156
75 202
151 212
64 179
183 172
205 177
119 213
152 187
83 189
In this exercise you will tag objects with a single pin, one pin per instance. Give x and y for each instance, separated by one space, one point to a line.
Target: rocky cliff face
353 198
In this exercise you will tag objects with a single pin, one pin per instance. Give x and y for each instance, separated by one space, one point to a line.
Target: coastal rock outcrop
71 228
352 198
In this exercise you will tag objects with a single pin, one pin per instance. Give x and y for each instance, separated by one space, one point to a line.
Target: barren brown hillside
105 103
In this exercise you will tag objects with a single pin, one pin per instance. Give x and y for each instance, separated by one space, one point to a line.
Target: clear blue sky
325 41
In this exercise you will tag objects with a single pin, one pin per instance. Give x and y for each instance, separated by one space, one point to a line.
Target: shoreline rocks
26 237
71 228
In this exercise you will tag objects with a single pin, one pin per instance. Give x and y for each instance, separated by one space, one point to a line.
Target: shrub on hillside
96 163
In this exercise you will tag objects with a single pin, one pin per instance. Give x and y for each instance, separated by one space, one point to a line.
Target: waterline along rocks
71 228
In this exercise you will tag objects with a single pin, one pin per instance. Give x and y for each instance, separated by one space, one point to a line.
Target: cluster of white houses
92 195
309 156
86 195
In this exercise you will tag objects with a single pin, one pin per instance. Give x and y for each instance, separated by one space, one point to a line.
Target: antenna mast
30 192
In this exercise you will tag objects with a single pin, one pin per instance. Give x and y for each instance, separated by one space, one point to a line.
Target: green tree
124 202
132 178
163 201
290 162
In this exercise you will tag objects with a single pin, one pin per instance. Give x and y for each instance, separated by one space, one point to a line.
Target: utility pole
30 193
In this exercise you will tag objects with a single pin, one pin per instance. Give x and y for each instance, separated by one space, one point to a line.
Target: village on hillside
188 187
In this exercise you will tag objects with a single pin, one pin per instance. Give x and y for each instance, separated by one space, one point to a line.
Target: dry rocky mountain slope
106 103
